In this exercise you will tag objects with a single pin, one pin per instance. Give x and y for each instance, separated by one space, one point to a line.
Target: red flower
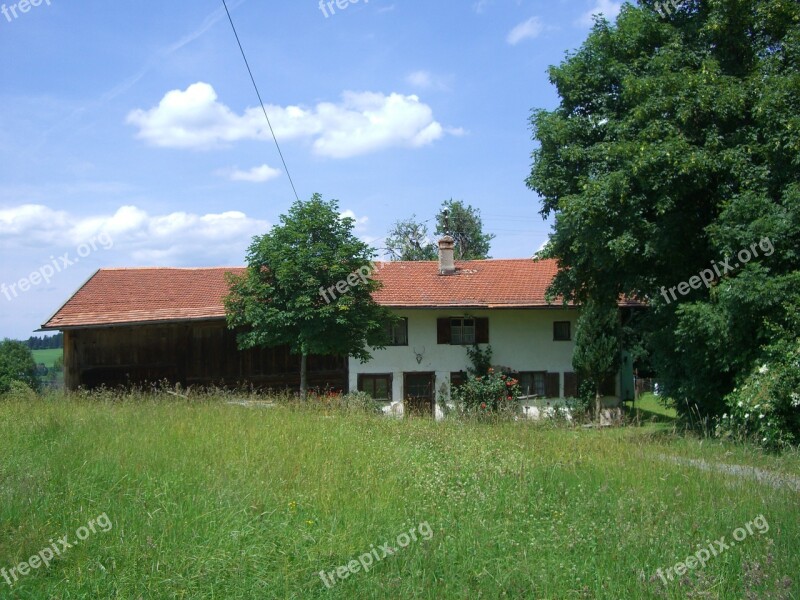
483 404
510 398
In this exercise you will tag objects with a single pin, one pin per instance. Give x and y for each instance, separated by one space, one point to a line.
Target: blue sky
131 135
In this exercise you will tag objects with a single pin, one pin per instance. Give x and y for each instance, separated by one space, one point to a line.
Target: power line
272 131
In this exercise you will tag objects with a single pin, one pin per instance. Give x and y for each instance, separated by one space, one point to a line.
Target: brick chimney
447 264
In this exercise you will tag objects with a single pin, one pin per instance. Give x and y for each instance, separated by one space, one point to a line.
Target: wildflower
483 404
510 398
739 404
795 400
746 415
761 416
763 369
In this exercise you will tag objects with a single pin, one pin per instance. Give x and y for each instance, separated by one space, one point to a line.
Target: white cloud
360 222
425 80
360 123
173 239
608 8
254 175
480 5
526 30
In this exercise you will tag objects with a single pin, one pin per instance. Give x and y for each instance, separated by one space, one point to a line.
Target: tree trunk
303 377
597 403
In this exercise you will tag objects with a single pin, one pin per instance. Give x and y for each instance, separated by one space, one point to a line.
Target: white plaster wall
521 339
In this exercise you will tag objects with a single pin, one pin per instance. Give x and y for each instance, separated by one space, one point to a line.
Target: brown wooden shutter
443 330
482 330
570 385
551 383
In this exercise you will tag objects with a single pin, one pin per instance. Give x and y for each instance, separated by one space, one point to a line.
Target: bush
19 390
765 408
492 394
17 364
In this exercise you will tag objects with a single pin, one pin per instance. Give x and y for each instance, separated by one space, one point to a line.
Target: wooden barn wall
199 354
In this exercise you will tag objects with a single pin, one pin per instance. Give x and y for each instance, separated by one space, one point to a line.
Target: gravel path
770 478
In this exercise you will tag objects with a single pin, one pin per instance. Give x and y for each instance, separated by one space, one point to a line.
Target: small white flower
746 415
760 416
763 369
740 404
795 400
763 439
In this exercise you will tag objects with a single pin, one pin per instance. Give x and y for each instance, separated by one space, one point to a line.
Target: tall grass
211 500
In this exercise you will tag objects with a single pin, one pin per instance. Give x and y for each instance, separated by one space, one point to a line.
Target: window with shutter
462 331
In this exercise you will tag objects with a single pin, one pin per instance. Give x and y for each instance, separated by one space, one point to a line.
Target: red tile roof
118 296
475 284
146 295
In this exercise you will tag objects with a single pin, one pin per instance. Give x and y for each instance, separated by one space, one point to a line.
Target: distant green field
48 357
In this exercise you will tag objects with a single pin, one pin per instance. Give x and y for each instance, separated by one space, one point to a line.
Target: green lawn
652 407
209 500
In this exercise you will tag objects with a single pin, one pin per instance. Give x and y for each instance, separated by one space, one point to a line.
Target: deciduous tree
677 143
289 295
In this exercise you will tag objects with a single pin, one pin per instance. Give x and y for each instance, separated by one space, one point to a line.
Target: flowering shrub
492 393
766 407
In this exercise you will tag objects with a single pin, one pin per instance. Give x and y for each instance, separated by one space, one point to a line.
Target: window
539 383
532 383
397 332
379 387
462 331
561 331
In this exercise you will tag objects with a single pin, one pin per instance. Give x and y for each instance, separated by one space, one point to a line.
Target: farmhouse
129 326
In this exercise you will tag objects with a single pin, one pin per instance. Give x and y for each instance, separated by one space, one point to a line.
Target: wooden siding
198 353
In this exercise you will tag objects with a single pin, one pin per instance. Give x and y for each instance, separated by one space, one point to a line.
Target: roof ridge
168 268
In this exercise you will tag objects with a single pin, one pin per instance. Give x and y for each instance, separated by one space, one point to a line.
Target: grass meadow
48 356
211 500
